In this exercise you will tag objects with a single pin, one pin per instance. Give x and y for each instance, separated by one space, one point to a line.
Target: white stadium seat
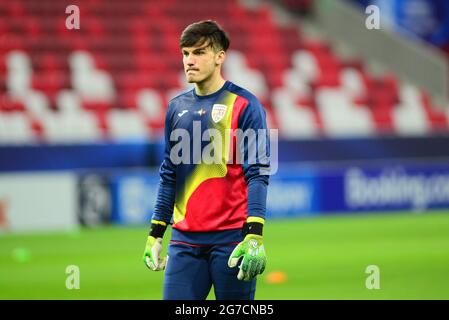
410 120
237 70
352 82
36 103
70 127
409 117
15 128
127 125
305 63
295 122
150 103
340 117
295 82
68 101
90 83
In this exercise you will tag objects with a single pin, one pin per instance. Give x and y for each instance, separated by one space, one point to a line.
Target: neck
209 86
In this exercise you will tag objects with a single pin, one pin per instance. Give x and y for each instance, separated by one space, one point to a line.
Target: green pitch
322 258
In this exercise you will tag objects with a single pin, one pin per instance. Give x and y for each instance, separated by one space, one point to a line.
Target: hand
254 258
151 255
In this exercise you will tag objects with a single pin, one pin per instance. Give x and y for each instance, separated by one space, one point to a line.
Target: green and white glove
252 251
153 248
152 253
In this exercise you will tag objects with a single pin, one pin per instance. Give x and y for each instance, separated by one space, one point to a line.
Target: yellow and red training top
215 169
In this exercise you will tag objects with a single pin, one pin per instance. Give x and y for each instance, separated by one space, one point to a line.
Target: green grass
323 258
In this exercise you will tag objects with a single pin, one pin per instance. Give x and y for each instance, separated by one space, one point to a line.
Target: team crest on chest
218 112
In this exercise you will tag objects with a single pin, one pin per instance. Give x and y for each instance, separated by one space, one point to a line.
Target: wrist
157 228
253 226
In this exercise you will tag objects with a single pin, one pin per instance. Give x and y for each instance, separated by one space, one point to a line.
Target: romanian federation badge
218 112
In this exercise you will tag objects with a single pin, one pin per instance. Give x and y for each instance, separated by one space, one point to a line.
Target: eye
199 52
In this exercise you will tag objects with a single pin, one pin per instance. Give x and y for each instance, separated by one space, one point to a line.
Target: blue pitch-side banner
300 191
133 196
293 193
385 188
141 154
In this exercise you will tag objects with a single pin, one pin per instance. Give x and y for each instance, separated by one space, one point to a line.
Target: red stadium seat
436 115
7 104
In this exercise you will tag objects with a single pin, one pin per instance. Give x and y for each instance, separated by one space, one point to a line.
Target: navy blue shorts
192 271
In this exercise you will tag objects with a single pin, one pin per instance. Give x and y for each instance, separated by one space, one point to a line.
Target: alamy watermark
373 280
212 146
73 277
373 19
73 20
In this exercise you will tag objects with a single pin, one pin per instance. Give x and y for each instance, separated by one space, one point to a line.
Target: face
201 62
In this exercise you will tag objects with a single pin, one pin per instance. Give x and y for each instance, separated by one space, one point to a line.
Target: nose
189 60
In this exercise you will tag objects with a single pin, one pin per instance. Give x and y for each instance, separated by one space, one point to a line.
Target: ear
220 57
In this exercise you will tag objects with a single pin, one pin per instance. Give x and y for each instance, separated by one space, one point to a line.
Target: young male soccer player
217 208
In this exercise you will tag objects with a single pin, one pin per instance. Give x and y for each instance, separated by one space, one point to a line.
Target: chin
190 79
194 80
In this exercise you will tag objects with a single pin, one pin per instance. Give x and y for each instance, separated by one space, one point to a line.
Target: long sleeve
163 210
256 151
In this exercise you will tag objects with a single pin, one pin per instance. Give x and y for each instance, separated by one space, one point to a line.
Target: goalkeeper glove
251 249
153 248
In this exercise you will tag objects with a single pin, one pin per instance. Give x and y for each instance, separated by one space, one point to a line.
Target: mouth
191 70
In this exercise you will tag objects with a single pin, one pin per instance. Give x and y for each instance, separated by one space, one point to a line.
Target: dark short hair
206 31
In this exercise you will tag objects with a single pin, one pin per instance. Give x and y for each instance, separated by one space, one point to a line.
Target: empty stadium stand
111 79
